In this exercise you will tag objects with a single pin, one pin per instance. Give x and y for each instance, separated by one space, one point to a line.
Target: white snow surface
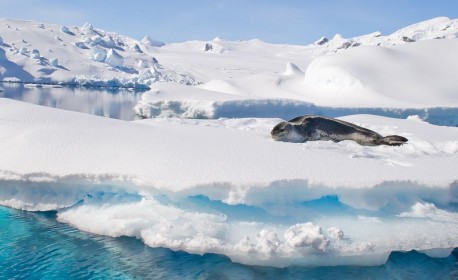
142 178
87 56
411 68
193 179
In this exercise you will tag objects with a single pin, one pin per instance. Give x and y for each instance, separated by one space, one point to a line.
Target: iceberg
223 186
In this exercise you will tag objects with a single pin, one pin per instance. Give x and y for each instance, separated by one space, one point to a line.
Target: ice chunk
136 47
268 242
335 232
107 42
1 40
306 235
147 40
64 29
81 45
23 50
87 28
35 54
87 40
54 62
114 59
142 63
99 54
96 39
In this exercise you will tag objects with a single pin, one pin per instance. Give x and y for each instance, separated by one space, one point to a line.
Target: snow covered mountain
35 52
437 28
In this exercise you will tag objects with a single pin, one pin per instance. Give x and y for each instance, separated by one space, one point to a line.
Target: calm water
33 245
114 104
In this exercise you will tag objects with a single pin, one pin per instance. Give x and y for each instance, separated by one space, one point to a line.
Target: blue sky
274 21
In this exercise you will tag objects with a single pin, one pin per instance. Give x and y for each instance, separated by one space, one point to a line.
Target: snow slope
382 72
407 69
436 28
34 52
415 75
224 186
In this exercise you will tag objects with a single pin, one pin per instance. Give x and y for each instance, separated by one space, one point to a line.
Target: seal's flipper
394 140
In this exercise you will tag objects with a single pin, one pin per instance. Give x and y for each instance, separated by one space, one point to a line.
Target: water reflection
117 104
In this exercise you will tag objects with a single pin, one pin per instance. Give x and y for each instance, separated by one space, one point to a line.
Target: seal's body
313 128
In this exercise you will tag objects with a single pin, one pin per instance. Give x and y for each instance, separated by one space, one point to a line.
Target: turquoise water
33 245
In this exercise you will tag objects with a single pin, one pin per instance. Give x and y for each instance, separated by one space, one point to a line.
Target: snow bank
147 40
223 186
355 81
419 74
221 99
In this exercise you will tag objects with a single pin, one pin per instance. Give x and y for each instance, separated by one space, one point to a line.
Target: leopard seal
313 128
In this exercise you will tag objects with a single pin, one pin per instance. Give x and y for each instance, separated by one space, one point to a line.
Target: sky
275 21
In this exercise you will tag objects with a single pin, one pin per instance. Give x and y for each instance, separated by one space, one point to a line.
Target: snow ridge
47 53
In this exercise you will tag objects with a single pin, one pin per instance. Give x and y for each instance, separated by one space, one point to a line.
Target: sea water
117 104
33 245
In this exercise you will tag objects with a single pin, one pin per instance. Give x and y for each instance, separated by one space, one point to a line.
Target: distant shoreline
67 84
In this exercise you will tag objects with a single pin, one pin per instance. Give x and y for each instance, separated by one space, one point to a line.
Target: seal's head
285 132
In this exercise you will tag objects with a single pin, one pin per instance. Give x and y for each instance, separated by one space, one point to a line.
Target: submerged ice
340 235
223 186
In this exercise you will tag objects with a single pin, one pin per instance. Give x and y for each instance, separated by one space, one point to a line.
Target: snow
147 40
142 178
360 72
364 77
54 62
99 54
79 51
35 54
114 59
374 72
202 174
64 29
